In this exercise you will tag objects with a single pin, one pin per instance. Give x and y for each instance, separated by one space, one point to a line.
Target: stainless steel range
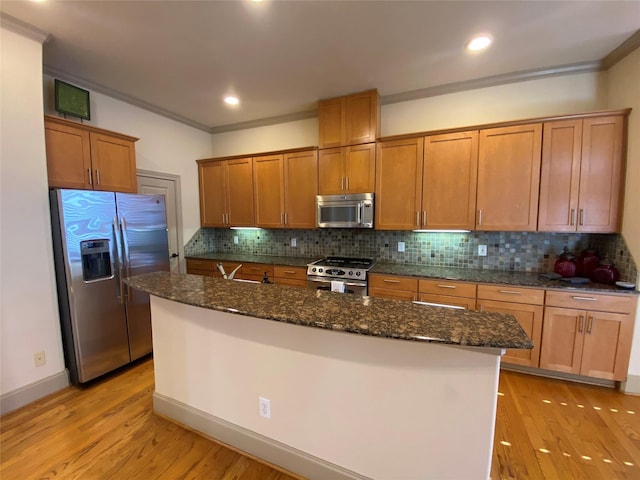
340 274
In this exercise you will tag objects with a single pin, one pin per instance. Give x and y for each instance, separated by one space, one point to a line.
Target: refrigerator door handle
119 260
125 251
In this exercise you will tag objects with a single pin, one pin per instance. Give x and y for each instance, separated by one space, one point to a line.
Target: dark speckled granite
339 312
523 279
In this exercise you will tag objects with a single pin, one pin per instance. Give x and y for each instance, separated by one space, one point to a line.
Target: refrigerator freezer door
143 224
93 319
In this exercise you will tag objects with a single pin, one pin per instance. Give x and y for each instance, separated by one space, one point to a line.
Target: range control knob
350 273
313 269
357 274
320 270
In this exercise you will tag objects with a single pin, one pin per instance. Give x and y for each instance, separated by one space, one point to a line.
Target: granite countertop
523 279
378 317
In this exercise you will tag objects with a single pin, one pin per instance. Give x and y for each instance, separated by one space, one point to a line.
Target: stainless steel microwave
344 211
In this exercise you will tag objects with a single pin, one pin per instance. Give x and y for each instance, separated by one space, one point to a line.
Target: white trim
23 28
253 443
632 385
176 179
34 391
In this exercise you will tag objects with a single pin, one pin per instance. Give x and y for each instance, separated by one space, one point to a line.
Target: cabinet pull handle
386 280
281 218
581 327
289 272
418 219
286 218
341 183
582 216
98 176
346 183
590 325
446 286
572 221
479 217
589 299
90 176
510 292
424 218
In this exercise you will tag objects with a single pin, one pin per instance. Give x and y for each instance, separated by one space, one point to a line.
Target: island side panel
383 408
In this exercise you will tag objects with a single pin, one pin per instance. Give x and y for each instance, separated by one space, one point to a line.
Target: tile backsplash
510 251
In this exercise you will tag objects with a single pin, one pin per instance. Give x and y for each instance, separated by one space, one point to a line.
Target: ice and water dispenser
96 260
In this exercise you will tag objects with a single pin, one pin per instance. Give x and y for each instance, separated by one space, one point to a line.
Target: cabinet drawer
507 293
257 269
297 273
391 294
392 282
446 287
294 282
200 267
448 300
590 301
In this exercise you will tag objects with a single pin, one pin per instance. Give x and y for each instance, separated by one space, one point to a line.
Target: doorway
168 185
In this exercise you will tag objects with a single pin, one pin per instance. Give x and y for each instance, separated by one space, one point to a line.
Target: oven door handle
328 280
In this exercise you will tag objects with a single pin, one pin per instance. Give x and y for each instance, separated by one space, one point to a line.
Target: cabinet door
607 345
361 117
114 163
331 122
601 175
300 189
530 319
398 184
240 188
68 156
508 178
213 194
331 171
360 168
562 339
450 177
560 176
268 190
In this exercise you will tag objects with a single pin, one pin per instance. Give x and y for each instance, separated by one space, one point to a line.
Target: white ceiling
280 57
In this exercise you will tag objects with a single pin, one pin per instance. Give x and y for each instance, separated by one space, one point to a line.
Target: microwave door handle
359 213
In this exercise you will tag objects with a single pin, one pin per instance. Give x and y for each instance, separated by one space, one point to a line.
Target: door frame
176 181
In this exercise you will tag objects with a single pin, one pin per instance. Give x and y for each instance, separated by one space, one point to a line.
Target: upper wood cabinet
582 175
349 120
226 193
398 184
346 170
435 192
285 187
449 181
509 178
85 157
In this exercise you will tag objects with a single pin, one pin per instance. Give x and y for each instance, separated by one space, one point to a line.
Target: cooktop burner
341 267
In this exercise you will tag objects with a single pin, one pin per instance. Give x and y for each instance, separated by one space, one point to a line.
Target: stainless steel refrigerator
99 239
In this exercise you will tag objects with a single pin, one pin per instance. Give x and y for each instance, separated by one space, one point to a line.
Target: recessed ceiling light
230 100
479 43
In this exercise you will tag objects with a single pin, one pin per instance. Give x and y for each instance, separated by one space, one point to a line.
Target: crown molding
265 122
23 28
492 81
62 75
622 50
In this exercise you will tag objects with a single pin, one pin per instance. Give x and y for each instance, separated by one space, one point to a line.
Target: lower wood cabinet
526 305
447 293
393 287
588 334
294 276
209 267
256 272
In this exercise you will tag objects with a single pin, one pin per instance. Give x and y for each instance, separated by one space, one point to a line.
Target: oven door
356 287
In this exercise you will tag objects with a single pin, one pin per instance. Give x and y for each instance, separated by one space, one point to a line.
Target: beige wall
28 302
624 91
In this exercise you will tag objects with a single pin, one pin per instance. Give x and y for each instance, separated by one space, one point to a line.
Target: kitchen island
353 387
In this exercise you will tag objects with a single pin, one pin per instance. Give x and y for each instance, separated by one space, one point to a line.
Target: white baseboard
272 451
34 391
632 385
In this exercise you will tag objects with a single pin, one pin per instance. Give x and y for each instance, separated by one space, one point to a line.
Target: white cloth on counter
337 286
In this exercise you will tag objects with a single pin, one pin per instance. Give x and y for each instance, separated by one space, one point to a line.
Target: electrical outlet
264 406
294 242
235 239
482 250
401 246
39 359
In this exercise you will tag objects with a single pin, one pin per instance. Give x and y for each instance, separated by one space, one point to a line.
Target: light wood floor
546 429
